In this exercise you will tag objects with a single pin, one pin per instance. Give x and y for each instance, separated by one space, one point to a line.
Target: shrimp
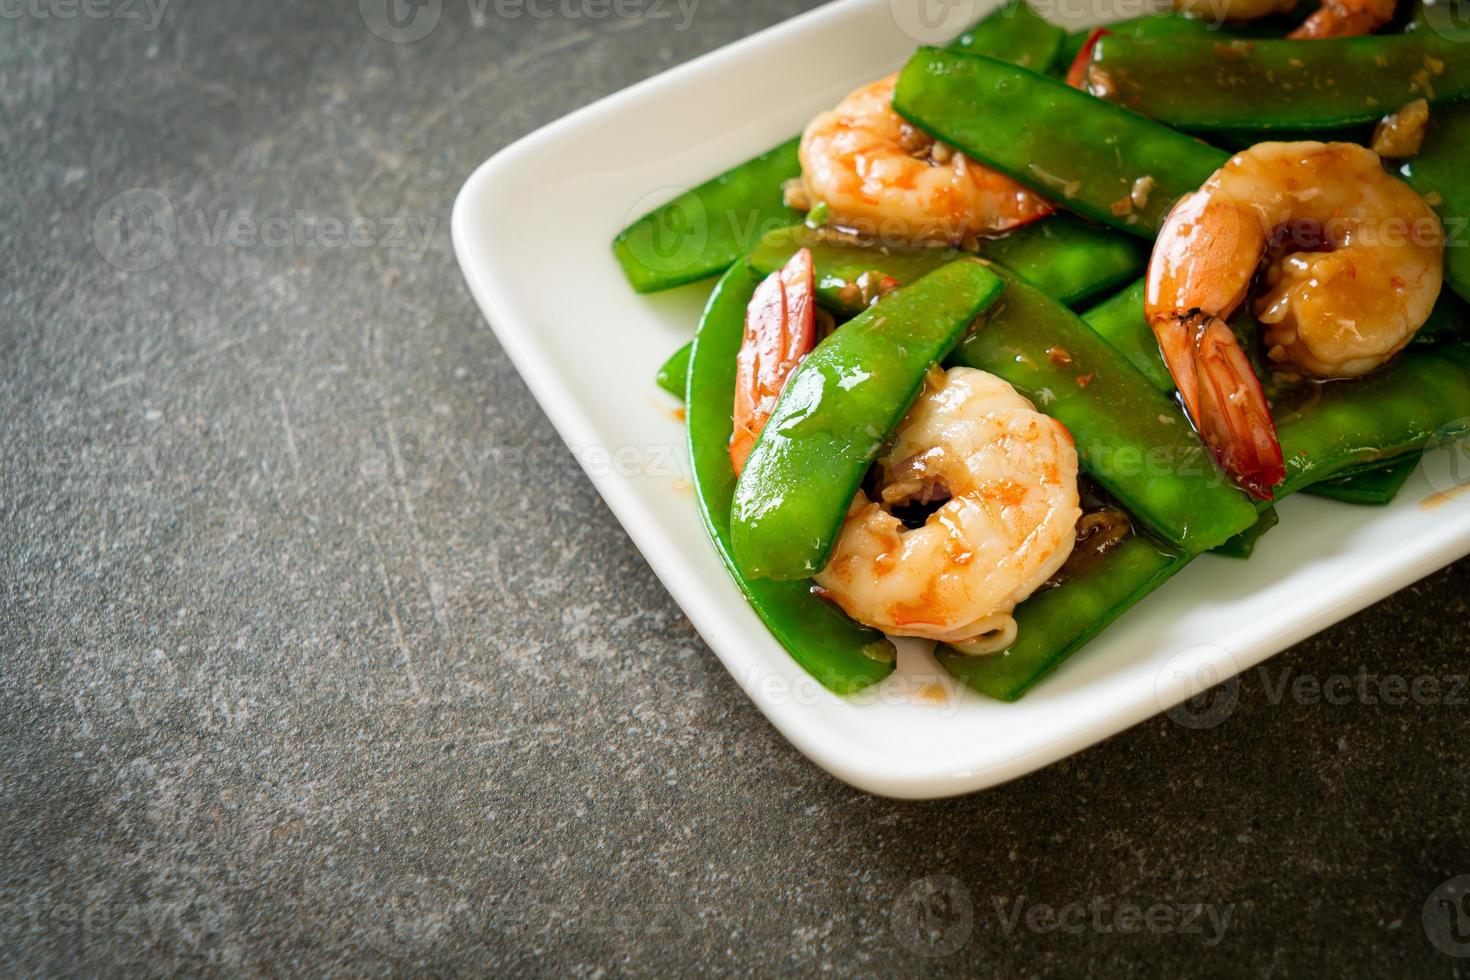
1344 18
780 328
1010 476
881 177
1335 18
1354 265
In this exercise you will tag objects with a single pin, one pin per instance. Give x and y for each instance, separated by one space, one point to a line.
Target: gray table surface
262 710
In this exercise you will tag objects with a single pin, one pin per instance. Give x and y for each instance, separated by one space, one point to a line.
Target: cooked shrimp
1010 476
880 176
1354 266
1345 18
1335 18
780 328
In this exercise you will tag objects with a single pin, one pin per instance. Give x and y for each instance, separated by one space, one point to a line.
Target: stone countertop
265 710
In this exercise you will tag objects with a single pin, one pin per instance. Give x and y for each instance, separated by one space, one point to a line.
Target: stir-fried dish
1041 318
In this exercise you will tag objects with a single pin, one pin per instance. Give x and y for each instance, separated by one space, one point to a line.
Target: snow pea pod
1014 33
1054 624
1374 485
1278 84
701 231
836 411
1090 156
1438 173
1158 25
1131 437
1244 543
674 373
838 652
1063 256
1067 258
1333 428
1119 320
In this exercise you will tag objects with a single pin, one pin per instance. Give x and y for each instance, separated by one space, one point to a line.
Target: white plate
532 229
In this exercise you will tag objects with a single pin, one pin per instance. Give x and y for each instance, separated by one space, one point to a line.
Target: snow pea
841 654
1330 429
1090 156
1119 320
1162 24
1054 624
674 372
1438 172
1244 543
1131 437
1067 258
834 415
1278 84
1063 256
701 231
1014 33
1374 485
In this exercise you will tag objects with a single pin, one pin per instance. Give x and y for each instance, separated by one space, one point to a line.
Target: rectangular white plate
532 228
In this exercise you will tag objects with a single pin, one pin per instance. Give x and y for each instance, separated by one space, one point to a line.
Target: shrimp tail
780 329
1223 397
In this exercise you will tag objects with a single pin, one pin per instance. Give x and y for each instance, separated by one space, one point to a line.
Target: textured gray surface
264 708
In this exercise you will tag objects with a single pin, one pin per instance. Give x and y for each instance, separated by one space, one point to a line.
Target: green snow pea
1131 437
1014 33
700 232
1090 156
1344 425
1278 84
1119 320
1439 173
1067 258
674 373
1163 24
1054 624
1244 543
1062 256
1373 485
838 652
835 413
